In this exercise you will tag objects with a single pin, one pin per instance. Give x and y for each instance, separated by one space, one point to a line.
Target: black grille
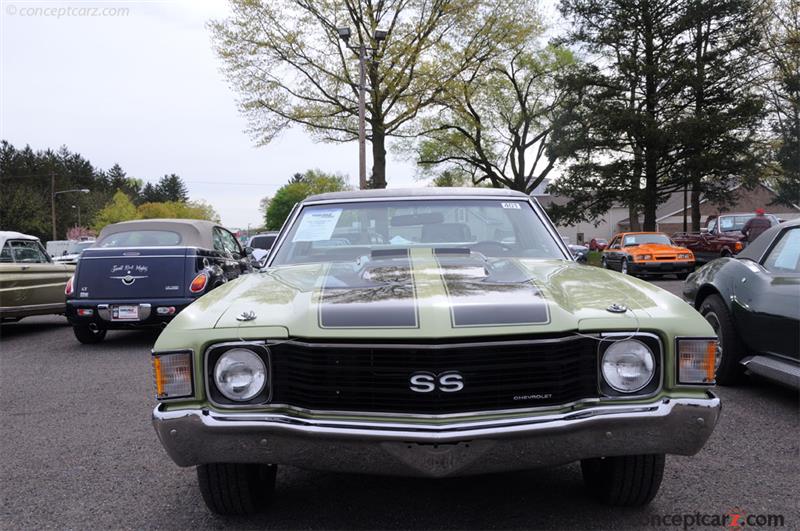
496 375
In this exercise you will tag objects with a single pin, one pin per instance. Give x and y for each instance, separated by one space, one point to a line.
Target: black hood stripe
378 294
497 292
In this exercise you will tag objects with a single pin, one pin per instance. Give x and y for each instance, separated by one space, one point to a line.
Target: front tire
87 335
604 262
729 352
623 266
236 489
628 480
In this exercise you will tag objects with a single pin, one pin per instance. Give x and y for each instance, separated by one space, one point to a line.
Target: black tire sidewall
730 370
87 336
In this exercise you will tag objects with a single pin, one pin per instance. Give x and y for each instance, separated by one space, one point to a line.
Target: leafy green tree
177 210
120 208
290 66
494 123
27 180
151 194
119 180
450 178
168 188
312 182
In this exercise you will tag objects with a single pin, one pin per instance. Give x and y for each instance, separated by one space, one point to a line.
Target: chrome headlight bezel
653 385
215 395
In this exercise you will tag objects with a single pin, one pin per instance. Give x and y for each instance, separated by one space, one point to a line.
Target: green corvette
431 332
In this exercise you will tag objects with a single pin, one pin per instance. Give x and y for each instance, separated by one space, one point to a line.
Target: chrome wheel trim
713 320
623 267
604 262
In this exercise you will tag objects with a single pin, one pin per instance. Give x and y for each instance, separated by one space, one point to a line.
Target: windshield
641 239
263 242
141 238
347 231
76 248
736 223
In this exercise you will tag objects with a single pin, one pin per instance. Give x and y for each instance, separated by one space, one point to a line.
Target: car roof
416 192
14 235
193 232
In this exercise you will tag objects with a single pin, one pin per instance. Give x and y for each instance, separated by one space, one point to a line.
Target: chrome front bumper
671 426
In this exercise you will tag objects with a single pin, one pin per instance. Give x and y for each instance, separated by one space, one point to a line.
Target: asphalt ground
77 451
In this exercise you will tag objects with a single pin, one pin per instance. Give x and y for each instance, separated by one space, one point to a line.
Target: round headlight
628 365
240 374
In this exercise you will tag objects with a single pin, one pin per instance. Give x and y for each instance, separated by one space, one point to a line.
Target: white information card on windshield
317 224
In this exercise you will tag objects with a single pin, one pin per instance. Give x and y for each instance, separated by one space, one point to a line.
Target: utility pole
53 201
685 206
362 128
361 49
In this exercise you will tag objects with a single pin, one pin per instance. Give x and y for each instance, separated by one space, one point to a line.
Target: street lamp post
79 213
53 201
361 50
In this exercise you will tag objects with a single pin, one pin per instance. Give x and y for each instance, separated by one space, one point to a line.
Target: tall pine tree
621 134
723 108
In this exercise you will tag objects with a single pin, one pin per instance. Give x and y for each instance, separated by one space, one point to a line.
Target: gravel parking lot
78 451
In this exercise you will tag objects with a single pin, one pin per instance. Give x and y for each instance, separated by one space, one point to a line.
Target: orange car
647 253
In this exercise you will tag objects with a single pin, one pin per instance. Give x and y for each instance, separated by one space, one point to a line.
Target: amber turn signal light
173 375
697 361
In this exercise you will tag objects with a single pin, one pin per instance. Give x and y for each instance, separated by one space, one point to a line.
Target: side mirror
248 250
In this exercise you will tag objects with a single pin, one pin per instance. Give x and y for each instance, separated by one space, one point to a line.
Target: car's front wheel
729 370
604 262
235 489
88 335
623 266
628 480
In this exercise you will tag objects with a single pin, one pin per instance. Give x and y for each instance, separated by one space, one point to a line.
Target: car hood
658 248
433 295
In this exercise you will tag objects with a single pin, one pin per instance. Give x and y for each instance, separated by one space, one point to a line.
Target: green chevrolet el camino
431 332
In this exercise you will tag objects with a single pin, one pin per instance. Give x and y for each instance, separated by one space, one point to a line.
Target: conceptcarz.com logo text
734 519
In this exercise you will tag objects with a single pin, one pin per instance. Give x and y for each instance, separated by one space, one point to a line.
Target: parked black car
579 252
753 302
143 273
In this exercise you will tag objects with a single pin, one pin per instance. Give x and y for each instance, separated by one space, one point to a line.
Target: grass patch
593 258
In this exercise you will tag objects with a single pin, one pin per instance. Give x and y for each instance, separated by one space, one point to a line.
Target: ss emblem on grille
426 382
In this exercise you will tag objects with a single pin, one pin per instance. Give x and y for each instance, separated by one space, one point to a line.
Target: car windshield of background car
641 239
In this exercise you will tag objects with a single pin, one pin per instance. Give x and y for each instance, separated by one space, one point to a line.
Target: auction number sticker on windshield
317 224
512 205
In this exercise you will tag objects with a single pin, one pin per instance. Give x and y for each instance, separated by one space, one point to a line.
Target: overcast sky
145 90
